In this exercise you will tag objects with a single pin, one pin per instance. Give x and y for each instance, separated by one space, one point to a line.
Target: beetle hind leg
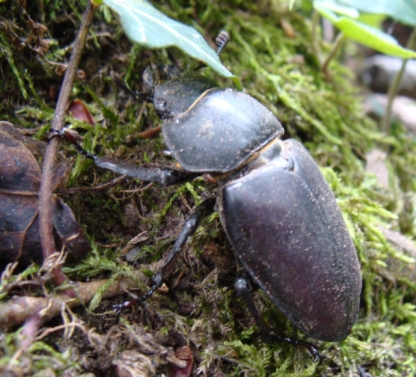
244 291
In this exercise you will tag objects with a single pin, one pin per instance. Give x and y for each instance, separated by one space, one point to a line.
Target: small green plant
351 18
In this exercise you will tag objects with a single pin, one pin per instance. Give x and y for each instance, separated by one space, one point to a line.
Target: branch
17 310
45 193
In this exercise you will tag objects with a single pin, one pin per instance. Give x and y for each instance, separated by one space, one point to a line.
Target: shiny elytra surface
288 231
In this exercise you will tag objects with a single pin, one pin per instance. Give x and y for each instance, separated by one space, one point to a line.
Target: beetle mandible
275 206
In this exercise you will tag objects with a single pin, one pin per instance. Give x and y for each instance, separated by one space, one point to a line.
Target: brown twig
150 132
45 206
338 43
17 310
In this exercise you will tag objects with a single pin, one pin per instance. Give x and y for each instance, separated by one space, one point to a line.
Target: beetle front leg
188 229
244 291
163 175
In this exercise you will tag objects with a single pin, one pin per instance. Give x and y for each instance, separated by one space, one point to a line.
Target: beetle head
167 71
161 91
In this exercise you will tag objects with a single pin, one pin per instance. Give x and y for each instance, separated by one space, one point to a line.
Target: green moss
325 113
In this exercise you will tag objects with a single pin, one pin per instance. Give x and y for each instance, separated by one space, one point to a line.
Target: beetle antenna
221 41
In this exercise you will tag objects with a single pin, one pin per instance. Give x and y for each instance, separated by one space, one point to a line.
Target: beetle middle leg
188 229
244 291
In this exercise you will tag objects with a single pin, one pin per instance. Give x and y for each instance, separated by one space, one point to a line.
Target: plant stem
338 43
314 43
394 87
45 193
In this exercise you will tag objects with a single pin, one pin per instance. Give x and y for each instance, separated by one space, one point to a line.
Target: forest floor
198 325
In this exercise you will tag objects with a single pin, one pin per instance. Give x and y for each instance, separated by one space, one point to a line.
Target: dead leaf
19 186
183 354
79 111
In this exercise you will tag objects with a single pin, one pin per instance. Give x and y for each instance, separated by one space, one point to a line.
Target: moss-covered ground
277 65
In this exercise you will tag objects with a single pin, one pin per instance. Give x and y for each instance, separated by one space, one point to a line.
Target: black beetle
277 210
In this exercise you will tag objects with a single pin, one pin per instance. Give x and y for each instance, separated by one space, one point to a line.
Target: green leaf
335 6
403 11
374 20
365 34
145 25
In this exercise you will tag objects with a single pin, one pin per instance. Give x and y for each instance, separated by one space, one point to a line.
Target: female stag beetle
277 210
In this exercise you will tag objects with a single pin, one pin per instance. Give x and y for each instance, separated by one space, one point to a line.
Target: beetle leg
244 291
163 175
361 371
188 229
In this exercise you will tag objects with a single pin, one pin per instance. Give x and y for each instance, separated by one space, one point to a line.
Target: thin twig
314 34
339 42
45 205
18 309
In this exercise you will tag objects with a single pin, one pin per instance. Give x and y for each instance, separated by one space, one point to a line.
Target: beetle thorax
220 132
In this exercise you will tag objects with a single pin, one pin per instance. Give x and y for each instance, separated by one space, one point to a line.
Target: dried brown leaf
19 205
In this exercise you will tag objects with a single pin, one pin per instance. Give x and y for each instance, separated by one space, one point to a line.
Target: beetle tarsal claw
310 347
